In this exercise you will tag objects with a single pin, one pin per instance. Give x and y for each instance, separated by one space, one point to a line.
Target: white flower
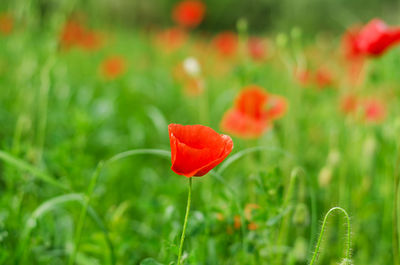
191 66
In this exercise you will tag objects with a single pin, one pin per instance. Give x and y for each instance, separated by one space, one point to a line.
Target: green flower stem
348 251
285 222
185 222
396 238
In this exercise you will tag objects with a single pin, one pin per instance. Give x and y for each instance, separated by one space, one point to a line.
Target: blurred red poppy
76 34
253 113
374 110
71 34
276 107
113 66
226 43
171 39
189 13
196 149
349 104
376 37
257 48
6 24
323 78
350 46
237 222
252 226
302 76
90 41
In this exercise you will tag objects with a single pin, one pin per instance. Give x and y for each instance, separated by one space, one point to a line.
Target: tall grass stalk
82 216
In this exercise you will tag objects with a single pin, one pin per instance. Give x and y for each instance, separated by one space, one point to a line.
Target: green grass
59 118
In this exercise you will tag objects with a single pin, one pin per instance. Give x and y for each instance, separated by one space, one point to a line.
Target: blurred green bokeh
262 15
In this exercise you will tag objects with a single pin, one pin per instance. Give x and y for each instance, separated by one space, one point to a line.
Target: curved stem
348 251
250 150
133 152
48 206
185 222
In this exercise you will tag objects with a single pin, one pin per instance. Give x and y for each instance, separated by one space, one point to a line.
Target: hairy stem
348 250
185 222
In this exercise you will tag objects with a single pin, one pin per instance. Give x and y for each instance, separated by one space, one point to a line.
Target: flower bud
301 215
325 176
281 40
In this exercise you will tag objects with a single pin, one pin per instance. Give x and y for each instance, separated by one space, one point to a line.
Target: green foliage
59 117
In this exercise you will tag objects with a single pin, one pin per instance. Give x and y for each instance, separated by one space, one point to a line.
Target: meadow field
298 162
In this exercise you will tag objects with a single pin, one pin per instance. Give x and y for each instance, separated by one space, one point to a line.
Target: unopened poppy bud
325 176
281 40
301 216
333 157
242 25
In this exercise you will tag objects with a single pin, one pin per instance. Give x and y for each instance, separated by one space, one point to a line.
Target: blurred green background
59 115
262 15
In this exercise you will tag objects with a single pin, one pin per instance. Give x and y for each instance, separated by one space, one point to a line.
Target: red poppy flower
71 34
196 149
256 48
303 76
253 113
276 107
241 125
113 66
350 47
6 24
226 43
189 13
90 41
376 37
171 39
374 110
252 101
76 34
323 78
349 104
